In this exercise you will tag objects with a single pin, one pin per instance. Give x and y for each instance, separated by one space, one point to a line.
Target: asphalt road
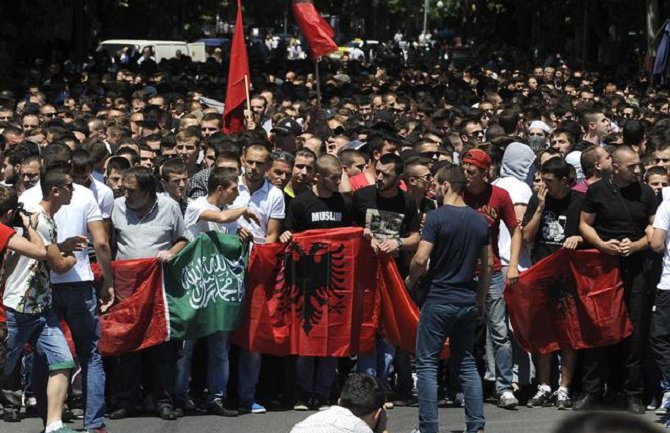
402 420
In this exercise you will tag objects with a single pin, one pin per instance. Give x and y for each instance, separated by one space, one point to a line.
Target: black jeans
660 332
596 368
127 369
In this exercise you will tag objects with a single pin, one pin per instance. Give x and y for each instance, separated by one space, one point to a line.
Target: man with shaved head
616 213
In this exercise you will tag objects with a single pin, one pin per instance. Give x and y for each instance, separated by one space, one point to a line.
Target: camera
18 211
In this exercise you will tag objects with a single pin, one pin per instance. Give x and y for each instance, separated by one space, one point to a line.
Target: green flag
204 286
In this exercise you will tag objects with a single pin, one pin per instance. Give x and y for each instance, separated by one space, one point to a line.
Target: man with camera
28 303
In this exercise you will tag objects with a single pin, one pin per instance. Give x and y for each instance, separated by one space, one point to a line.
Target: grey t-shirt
158 230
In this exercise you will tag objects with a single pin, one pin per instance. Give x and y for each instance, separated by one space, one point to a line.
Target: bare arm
58 261
658 240
32 247
228 215
419 264
590 235
274 226
104 255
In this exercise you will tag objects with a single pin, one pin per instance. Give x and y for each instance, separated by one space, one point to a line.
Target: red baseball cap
478 158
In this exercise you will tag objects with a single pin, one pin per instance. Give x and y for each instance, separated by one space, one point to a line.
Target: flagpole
318 85
246 92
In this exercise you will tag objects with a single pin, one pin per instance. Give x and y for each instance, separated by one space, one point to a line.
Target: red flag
236 91
309 297
139 318
399 314
317 31
569 299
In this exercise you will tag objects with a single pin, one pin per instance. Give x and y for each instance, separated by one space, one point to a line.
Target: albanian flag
569 299
236 91
308 297
317 31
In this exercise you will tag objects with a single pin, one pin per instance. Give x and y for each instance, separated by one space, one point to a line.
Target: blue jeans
496 321
249 369
218 347
378 363
77 303
436 324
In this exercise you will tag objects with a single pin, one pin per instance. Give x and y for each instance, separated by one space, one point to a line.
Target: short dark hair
144 177
134 156
362 394
81 161
556 166
117 163
656 170
633 132
221 176
283 156
392 158
173 166
8 199
56 152
53 176
609 422
453 174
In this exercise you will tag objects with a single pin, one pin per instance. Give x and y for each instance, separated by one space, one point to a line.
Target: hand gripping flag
317 31
571 299
236 90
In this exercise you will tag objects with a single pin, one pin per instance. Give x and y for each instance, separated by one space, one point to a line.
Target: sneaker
301 405
459 399
653 404
102 429
563 400
216 408
541 397
388 405
507 400
253 408
406 401
664 408
322 403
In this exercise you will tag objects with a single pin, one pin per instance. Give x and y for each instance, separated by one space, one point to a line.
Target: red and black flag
317 31
570 299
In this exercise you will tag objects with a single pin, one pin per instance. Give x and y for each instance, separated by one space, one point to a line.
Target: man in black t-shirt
320 207
551 222
392 222
615 215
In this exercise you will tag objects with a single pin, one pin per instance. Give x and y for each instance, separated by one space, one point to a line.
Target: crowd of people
466 177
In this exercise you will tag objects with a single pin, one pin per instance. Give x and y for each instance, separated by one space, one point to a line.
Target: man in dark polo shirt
615 215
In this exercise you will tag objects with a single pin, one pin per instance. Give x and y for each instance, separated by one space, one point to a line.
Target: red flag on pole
317 31
238 77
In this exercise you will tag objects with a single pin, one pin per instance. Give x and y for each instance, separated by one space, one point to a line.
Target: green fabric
205 285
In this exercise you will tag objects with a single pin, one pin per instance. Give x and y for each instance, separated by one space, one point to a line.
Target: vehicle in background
161 49
368 46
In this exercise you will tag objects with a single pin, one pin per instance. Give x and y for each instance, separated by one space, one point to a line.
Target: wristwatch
399 242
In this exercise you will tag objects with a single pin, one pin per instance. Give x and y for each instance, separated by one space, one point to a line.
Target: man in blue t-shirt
454 239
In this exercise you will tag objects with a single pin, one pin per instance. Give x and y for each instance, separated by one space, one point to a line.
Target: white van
161 49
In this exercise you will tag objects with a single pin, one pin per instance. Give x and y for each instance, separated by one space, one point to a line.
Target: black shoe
178 412
216 408
634 405
587 402
167 413
120 413
406 401
11 415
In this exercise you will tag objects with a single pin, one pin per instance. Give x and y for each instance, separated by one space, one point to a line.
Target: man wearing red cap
495 204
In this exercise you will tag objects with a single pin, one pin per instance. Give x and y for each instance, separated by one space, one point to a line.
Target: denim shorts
43 332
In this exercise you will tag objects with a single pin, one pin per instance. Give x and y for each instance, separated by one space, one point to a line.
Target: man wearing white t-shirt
660 319
267 202
74 295
211 213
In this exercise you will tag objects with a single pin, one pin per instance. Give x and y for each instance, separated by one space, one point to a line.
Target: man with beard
11 165
454 239
29 174
320 207
391 220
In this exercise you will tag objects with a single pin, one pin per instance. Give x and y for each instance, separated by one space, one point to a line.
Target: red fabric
569 299
236 92
318 33
139 318
359 181
496 206
311 301
399 315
